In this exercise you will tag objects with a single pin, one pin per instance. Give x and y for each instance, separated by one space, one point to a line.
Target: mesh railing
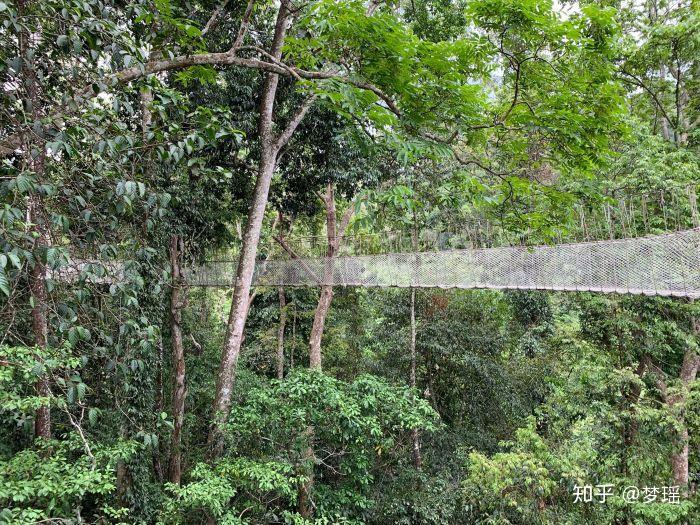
667 264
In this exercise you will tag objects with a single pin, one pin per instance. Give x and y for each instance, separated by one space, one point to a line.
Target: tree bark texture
240 299
317 328
36 163
177 300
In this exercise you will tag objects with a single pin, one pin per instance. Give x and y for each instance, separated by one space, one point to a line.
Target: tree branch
344 222
12 143
638 82
214 19
292 125
267 101
271 58
245 22
294 256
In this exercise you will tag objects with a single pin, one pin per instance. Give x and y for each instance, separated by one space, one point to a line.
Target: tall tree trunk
157 454
322 308
326 296
280 333
36 163
177 300
240 299
334 233
270 147
415 437
40 325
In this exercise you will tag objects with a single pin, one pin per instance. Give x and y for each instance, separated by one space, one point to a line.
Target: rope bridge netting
667 264
477 254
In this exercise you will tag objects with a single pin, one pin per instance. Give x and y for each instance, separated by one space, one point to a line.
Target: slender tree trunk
36 163
326 296
679 461
270 147
334 233
177 300
280 333
239 302
322 308
157 466
415 436
40 325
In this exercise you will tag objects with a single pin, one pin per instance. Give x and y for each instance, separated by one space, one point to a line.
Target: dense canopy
143 138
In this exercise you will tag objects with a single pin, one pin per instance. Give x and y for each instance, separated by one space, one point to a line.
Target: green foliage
354 426
518 480
213 489
58 480
22 367
63 479
578 439
443 113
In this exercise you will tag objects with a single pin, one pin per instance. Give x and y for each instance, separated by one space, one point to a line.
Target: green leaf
14 258
80 388
4 284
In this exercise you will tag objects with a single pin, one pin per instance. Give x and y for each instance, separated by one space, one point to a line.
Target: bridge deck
667 265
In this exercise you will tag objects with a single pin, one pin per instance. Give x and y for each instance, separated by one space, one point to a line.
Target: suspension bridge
665 264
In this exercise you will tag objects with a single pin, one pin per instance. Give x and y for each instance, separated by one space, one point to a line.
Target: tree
662 63
630 328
